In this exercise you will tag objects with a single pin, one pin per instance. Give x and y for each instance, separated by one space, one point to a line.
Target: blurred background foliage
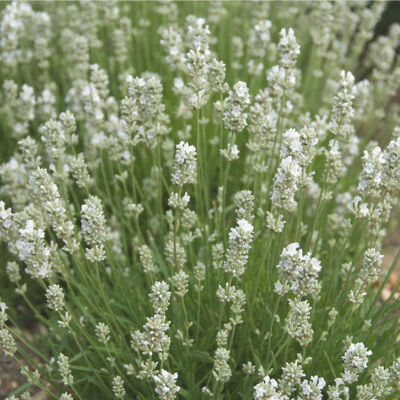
391 15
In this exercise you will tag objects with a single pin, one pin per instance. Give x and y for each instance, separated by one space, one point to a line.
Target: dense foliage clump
193 190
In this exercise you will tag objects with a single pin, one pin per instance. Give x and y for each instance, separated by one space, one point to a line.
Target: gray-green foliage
193 190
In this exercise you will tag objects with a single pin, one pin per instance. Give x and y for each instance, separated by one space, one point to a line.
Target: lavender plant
200 194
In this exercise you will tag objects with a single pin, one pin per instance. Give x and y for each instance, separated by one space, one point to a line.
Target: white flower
371 175
267 390
342 110
286 182
355 359
288 47
231 153
184 170
94 228
166 387
240 239
55 297
297 272
235 117
368 274
297 322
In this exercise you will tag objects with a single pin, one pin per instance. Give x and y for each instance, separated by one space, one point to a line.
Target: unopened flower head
132 209
281 81
179 283
275 223
368 274
34 251
259 38
240 239
217 76
267 390
198 60
102 331
292 374
379 387
154 338
244 202
355 360
300 145
231 152
7 342
289 48
285 184
144 109
48 197
221 371
13 271
359 208
312 389
237 298
200 275
160 296
371 174
395 372
94 228
172 41
53 138
166 386
248 368
235 117
177 201
118 387
3 313
282 77
175 252
342 111
297 272
392 163
297 322
334 166
184 170
198 32
80 171
146 258
68 123
55 297
65 369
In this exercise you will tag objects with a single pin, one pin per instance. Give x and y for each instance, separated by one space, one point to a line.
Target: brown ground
10 375
11 379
